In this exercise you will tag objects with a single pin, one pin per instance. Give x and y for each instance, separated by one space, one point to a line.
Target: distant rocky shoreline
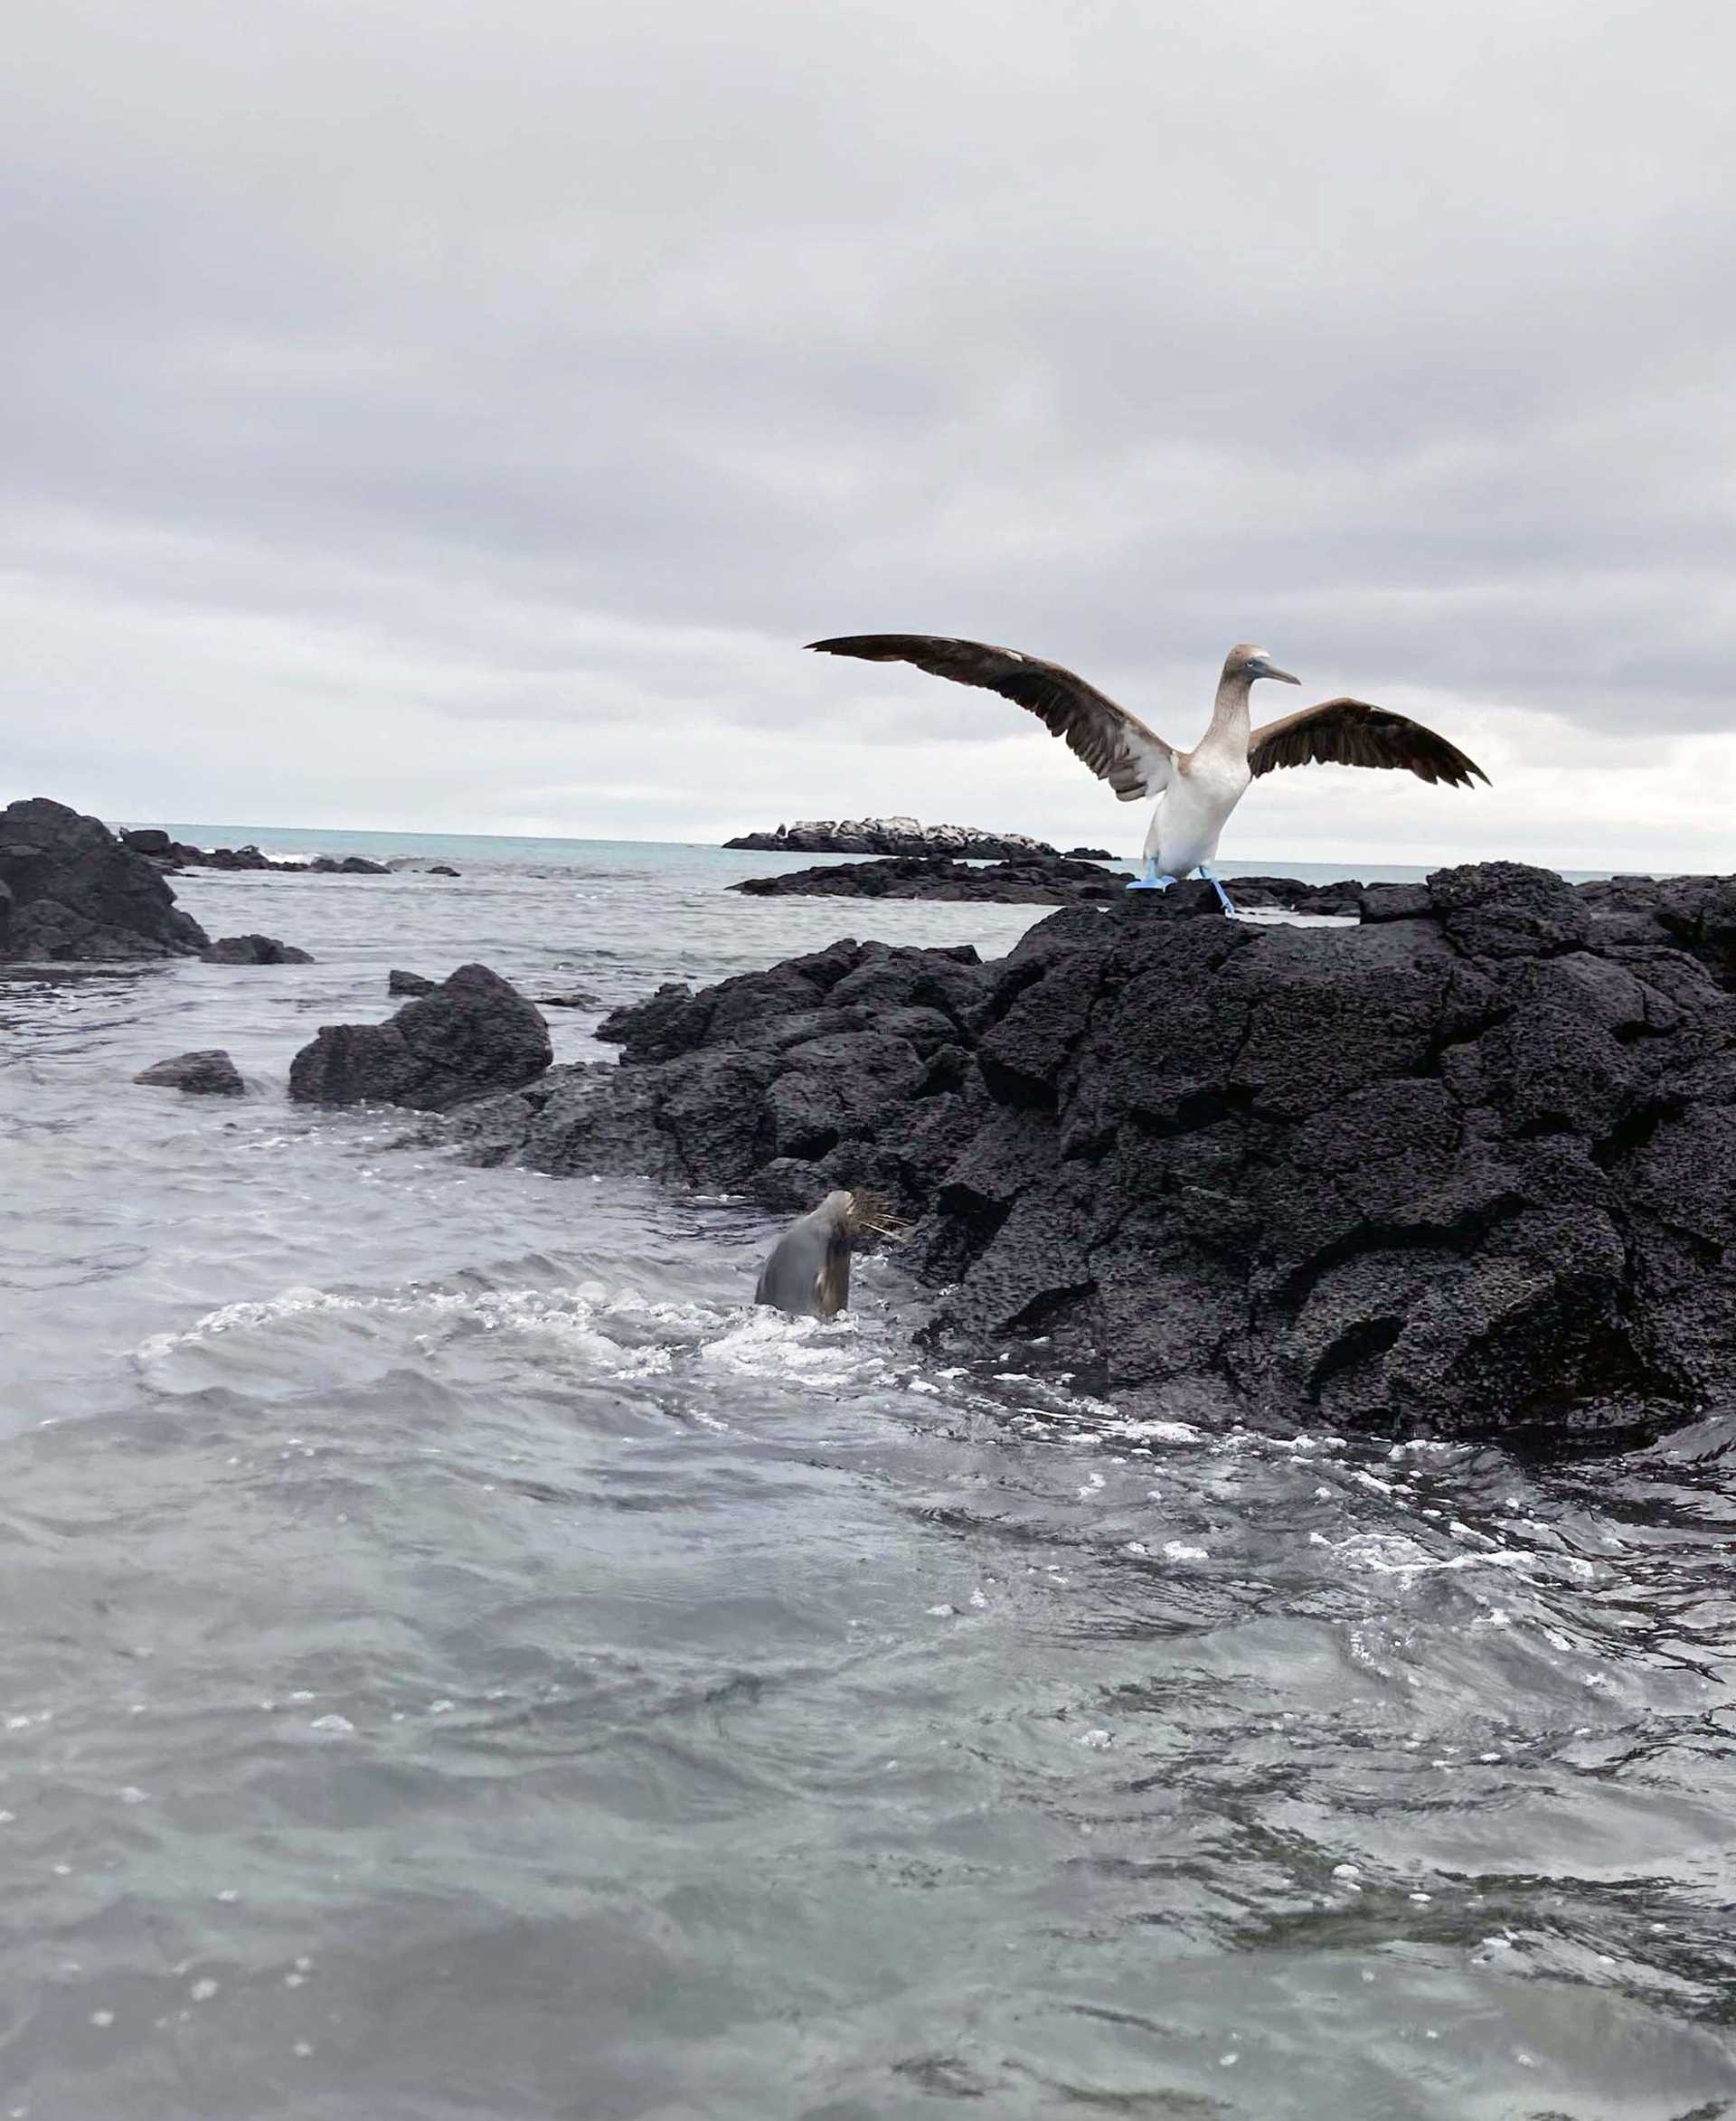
73 891
171 855
902 835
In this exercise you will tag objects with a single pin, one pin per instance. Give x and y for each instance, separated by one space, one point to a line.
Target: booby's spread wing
1116 746
1350 732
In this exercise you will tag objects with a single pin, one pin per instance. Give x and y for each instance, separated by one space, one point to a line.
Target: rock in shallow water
1025 880
209 1073
472 1034
70 889
1467 1168
254 949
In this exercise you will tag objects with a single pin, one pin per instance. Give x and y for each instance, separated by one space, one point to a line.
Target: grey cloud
555 366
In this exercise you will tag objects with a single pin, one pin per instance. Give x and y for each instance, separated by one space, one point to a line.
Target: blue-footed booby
1195 790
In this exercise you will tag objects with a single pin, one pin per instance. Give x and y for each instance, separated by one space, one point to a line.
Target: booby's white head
1247 663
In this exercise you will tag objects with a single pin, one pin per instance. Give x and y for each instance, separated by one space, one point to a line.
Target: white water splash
1391 1553
619 1333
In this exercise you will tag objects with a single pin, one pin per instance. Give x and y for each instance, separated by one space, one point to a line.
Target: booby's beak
1283 676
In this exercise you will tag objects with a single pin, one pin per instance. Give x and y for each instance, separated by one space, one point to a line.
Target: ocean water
716 864
461 1660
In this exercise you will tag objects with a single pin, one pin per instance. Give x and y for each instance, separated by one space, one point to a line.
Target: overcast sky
456 416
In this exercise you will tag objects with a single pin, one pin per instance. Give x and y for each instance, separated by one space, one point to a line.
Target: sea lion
809 1272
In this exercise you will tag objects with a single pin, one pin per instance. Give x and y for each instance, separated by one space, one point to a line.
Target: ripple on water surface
465 1660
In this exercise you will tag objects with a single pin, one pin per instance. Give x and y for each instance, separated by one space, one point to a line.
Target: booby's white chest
1195 808
1215 777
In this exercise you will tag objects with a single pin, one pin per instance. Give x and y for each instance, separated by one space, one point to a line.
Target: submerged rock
254 949
209 1073
1467 1168
1028 879
474 1034
70 889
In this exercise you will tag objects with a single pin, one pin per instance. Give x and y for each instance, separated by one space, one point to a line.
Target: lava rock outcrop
71 891
1026 880
890 835
208 1073
472 1034
254 949
1467 1168
171 854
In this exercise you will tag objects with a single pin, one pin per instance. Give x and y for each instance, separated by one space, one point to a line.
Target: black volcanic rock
474 1034
254 949
1029 880
209 1073
1297 896
248 858
890 835
409 983
171 854
1089 854
1467 1167
70 889
442 869
177 855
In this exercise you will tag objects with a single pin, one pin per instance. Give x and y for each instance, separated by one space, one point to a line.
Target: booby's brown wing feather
1350 732
1116 746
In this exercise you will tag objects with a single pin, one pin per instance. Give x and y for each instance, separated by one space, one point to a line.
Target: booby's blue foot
1225 899
1150 880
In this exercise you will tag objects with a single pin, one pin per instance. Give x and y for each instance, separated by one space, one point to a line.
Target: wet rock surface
398 982
1470 1166
472 1034
1027 880
71 891
1047 880
254 949
209 1073
1343 900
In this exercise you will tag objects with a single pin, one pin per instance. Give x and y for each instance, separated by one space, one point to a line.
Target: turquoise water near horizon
285 840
